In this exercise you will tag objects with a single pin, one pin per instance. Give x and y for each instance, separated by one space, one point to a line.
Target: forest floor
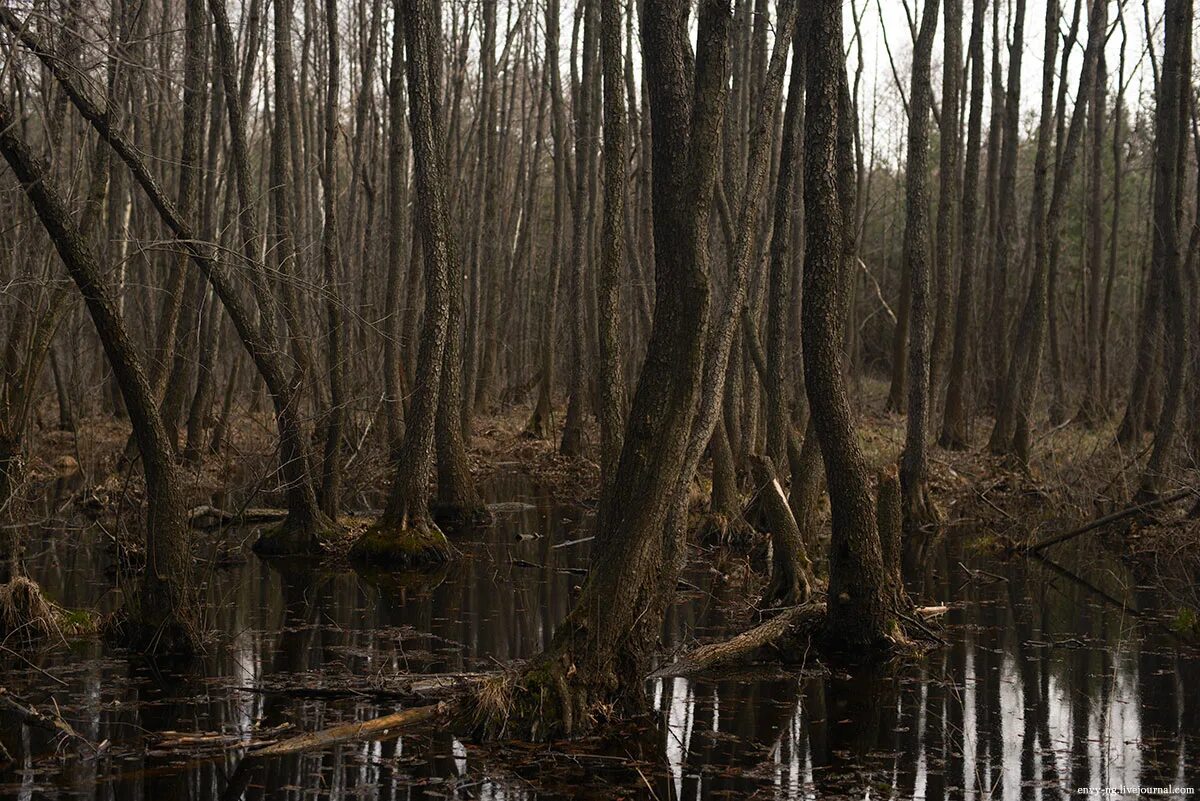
1077 475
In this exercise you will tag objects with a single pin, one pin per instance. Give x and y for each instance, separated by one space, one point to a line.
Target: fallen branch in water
1100 522
374 729
31 717
745 644
207 517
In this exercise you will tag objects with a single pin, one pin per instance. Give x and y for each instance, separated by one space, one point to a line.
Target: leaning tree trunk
163 613
918 507
405 534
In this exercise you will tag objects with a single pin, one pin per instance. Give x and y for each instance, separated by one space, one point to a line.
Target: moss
28 615
416 545
1186 623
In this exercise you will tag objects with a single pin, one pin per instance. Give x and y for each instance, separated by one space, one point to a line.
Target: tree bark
918 506
163 614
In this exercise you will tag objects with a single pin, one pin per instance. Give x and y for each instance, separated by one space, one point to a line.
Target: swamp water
1050 681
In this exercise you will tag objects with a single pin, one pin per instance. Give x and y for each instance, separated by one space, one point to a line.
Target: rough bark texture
162 614
956 433
406 534
858 615
1171 125
601 652
918 506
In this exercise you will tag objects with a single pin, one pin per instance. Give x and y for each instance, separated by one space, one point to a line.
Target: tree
859 614
918 508
955 433
600 653
405 533
162 616
1170 148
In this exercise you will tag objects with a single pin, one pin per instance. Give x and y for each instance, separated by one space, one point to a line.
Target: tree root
417 544
547 700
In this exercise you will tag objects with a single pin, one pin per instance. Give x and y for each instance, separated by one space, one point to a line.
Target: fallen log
375 729
208 517
1100 522
744 645
38 720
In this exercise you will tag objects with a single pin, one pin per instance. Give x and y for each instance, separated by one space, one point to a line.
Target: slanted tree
162 615
860 616
601 651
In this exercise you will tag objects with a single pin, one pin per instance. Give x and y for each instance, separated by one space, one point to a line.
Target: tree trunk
405 534
1170 159
955 429
918 506
858 614
601 657
163 614
949 195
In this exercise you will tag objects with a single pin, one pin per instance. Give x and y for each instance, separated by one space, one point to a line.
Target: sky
884 23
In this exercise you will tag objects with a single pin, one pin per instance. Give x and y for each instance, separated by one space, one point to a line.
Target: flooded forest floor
1073 667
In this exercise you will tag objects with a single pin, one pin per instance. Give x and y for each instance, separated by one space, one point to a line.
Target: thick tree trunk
601 652
1170 158
406 534
611 404
858 616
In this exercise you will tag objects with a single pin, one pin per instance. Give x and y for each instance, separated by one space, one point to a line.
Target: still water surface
1048 683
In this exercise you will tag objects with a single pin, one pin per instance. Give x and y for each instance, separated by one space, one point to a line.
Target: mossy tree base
460 517
291 538
417 545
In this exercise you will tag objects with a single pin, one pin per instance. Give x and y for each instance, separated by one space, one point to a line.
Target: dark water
1048 683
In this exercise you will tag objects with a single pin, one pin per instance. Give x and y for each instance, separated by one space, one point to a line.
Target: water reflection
1048 684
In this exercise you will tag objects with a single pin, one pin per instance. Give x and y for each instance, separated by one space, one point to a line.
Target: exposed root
28 615
418 545
158 632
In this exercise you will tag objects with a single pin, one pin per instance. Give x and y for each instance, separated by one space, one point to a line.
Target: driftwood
207 517
1100 522
374 729
796 619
